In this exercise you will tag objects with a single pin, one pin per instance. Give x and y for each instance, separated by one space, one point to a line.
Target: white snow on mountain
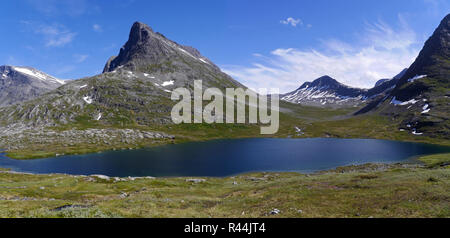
88 99
416 77
39 75
167 83
318 95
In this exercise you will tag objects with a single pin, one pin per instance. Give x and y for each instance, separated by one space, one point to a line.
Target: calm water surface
227 157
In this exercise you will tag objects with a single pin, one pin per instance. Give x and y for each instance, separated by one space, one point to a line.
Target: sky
263 44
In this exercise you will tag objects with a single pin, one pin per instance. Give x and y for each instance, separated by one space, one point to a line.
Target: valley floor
372 190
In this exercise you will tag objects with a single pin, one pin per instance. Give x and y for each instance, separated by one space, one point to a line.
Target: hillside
420 100
19 84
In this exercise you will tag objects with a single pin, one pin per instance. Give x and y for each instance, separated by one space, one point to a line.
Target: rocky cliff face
19 84
151 52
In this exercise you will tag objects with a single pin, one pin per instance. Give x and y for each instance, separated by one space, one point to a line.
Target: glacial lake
220 158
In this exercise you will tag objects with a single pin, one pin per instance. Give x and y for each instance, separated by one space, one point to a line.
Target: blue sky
261 43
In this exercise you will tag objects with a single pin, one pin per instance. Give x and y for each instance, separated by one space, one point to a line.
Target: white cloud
97 28
71 8
80 58
55 35
291 21
381 52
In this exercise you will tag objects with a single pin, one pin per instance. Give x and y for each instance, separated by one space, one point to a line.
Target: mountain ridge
326 91
420 99
19 84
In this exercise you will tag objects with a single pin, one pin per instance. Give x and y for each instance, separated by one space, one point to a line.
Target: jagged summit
145 47
152 53
435 52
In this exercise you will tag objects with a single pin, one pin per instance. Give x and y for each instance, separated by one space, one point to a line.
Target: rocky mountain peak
434 53
325 81
153 54
325 91
140 33
146 49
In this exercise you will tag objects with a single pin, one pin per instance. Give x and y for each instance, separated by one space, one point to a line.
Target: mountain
420 99
325 91
134 90
397 77
18 84
147 51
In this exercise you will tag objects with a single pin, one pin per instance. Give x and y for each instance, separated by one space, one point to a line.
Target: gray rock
196 180
19 84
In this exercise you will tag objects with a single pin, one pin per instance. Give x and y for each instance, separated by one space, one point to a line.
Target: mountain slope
325 91
135 89
152 53
397 77
420 100
18 84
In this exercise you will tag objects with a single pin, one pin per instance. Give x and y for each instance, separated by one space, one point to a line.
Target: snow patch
99 117
414 132
148 76
83 86
167 83
416 77
38 75
203 60
397 102
425 111
412 101
87 99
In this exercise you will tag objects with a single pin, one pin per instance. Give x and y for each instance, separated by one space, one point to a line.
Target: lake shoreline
412 161
360 191
17 155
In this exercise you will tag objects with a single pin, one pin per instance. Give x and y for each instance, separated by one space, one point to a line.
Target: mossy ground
397 190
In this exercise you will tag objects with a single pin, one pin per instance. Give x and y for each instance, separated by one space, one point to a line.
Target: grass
372 190
436 160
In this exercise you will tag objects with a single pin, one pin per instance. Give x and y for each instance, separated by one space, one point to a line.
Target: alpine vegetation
213 112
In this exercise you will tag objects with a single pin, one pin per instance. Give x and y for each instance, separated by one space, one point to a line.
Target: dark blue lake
229 157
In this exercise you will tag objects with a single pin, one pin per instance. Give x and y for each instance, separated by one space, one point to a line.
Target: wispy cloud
55 35
437 8
381 52
291 21
61 7
97 28
80 58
